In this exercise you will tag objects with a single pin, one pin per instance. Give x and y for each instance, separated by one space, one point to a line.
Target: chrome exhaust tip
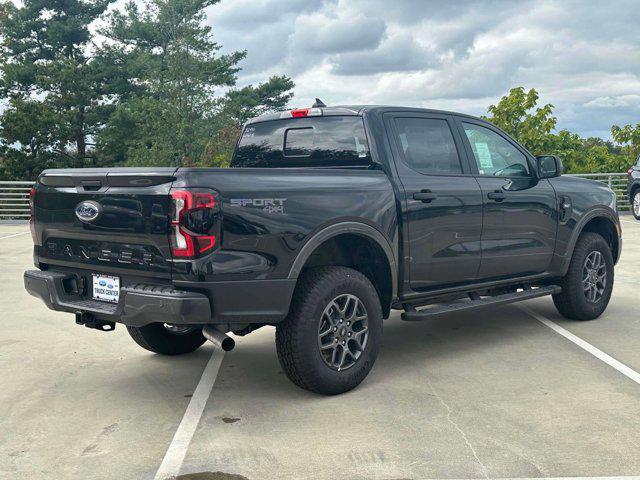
219 339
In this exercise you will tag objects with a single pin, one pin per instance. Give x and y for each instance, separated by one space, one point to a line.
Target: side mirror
549 166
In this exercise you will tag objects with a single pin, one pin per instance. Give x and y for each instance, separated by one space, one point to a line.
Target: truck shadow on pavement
408 352
150 377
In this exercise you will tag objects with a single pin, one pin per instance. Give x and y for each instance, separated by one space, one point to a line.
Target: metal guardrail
14 200
615 181
14 196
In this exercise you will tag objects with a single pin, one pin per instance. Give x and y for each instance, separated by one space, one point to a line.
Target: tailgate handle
91 184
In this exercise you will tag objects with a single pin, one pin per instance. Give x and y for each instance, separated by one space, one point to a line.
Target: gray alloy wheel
636 204
343 332
330 303
594 276
588 283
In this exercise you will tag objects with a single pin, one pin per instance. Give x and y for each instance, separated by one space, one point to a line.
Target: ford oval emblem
88 211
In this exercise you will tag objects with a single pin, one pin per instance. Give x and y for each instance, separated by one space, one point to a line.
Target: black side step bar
527 294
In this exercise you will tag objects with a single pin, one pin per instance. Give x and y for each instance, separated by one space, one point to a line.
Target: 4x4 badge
268 205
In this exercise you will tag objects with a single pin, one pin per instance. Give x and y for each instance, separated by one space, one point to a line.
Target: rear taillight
630 172
32 200
195 223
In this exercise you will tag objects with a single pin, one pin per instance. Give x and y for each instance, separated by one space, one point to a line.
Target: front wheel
635 204
587 286
167 339
330 340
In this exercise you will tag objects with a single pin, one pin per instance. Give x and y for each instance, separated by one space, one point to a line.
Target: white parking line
172 461
14 235
627 477
609 360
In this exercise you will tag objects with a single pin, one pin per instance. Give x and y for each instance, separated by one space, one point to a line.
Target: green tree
236 107
177 77
591 155
534 127
54 92
629 137
517 114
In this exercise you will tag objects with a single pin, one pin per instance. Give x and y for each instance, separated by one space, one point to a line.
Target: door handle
425 196
497 195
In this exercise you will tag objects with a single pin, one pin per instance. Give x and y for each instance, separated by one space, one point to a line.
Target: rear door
519 211
443 202
129 235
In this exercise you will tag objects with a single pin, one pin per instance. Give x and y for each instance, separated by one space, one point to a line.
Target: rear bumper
231 302
139 304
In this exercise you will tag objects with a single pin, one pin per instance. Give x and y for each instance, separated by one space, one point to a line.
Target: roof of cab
340 110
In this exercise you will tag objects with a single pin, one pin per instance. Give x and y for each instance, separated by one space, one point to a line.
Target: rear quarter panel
269 214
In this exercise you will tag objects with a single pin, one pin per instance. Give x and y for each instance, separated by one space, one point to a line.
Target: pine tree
54 92
178 111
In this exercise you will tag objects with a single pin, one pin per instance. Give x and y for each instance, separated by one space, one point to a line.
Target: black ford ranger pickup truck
328 219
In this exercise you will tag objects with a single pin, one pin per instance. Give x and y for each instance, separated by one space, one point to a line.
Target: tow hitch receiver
89 321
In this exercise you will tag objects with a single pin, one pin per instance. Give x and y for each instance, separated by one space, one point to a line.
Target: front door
442 201
519 211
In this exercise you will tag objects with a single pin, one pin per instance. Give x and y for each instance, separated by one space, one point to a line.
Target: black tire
636 211
572 302
298 337
158 339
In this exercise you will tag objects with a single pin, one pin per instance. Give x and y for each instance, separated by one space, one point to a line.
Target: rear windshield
304 142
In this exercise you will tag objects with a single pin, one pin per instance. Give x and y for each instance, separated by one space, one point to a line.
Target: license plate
106 288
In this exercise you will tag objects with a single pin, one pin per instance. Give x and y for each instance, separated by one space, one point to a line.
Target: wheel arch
599 220
356 245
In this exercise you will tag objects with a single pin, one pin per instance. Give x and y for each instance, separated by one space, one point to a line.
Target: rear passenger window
428 146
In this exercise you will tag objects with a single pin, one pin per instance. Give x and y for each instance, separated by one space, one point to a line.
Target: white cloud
584 57
322 34
619 101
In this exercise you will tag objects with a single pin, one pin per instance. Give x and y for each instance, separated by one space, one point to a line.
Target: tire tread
155 338
311 290
571 302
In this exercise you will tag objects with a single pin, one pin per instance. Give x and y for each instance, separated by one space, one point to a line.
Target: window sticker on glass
484 155
360 148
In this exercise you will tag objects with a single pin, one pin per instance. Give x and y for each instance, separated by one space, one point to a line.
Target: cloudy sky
583 57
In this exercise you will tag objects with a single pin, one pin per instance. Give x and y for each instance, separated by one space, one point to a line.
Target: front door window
494 155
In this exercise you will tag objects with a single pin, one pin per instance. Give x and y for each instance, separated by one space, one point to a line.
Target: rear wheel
587 286
331 337
167 339
635 203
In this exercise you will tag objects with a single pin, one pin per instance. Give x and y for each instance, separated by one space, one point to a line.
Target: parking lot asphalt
490 394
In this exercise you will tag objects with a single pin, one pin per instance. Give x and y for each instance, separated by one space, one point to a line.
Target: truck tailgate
130 233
